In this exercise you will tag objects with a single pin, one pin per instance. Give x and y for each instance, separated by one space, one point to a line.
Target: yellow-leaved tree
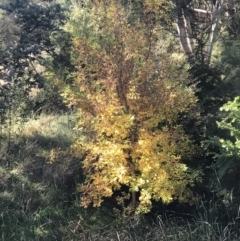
129 106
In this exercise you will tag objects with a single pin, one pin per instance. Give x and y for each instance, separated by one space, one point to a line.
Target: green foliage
210 91
32 29
230 57
36 25
229 145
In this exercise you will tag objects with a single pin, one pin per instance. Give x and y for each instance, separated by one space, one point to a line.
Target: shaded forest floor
39 175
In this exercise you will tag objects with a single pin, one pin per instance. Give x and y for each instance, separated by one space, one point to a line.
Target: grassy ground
38 177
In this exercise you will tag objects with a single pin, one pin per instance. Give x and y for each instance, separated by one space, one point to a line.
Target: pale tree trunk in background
185 34
198 24
216 13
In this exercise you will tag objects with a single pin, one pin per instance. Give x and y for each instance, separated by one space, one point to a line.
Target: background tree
33 28
199 25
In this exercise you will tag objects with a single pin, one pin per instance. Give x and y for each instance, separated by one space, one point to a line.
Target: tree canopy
128 105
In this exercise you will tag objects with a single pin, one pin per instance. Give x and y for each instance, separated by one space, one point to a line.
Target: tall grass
170 228
38 201
34 193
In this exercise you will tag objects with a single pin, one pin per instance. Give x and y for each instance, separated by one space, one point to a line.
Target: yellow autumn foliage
129 108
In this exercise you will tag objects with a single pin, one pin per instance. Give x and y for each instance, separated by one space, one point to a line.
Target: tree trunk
185 34
207 23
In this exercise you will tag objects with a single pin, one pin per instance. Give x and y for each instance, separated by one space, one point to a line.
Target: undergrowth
38 201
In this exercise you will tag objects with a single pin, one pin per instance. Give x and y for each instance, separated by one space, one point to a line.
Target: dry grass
46 125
